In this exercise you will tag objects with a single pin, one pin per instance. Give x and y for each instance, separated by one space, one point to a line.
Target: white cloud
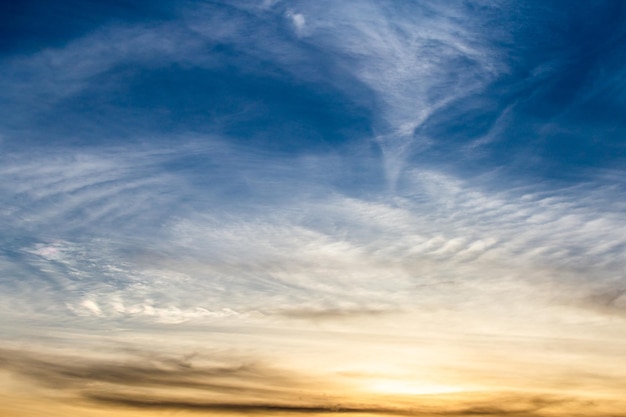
77 190
417 60
447 266
441 242
267 4
298 21
42 79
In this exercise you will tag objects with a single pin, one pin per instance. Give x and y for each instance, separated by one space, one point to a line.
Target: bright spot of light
398 387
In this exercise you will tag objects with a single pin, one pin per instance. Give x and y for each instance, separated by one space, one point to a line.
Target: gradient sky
368 207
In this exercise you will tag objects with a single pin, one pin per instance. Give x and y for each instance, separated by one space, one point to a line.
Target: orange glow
400 387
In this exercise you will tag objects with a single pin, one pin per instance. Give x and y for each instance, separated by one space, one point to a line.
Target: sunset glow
369 208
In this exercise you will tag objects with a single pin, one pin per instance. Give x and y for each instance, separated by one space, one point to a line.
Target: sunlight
393 386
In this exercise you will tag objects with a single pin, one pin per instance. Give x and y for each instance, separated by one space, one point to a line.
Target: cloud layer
156 383
389 200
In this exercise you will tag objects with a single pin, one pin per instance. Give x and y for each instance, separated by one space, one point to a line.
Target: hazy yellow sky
392 363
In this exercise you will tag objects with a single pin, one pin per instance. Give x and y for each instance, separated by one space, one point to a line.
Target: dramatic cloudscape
282 207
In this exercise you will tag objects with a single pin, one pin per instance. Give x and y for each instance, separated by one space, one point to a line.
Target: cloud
421 79
144 370
378 59
315 180
247 408
148 381
48 76
298 20
188 383
417 61
331 313
78 189
118 236
139 86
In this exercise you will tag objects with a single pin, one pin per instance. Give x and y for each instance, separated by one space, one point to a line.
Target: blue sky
533 95
263 168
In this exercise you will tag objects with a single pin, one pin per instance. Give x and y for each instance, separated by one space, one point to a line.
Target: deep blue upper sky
98 73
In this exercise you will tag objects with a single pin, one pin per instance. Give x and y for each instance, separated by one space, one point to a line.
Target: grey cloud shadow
230 387
530 407
249 408
610 304
335 313
144 372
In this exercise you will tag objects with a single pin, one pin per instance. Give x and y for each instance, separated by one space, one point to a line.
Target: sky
281 207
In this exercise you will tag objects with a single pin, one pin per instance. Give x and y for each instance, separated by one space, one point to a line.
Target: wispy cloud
116 238
411 68
86 189
416 59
